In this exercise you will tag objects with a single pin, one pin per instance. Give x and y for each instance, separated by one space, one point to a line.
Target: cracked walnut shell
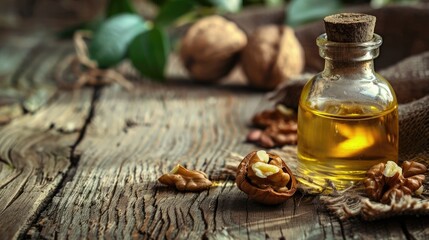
273 55
186 180
211 47
265 179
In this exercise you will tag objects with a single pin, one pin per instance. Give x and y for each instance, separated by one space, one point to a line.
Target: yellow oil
338 143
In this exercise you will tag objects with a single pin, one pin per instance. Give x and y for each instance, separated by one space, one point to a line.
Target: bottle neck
352 68
353 60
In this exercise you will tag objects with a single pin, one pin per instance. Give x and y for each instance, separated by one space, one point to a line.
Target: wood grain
135 137
36 147
35 155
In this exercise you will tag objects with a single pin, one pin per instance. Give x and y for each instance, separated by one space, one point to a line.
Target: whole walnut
272 55
211 47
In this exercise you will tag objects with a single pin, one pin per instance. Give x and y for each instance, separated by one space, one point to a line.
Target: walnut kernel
411 168
186 180
210 48
280 128
273 55
391 168
374 181
389 182
268 182
263 156
419 191
263 170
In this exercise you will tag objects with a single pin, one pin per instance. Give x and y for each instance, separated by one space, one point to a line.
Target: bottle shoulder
371 92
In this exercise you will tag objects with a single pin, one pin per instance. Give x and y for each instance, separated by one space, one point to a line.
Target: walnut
273 55
389 182
374 181
210 48
186 180
265 178
268 117
280 128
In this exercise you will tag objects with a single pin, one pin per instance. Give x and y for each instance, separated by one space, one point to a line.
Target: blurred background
57 14
149 32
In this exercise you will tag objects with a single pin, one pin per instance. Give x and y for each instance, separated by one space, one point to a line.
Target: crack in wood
5 183
321 224
16 195
342 230
68 174
202 210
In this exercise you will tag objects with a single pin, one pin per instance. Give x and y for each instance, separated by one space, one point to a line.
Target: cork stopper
349 27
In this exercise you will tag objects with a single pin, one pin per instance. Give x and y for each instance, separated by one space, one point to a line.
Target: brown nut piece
414 177
374 181
267 180
389 182
269 117
210 48
280 128
273 55
411 168
186 180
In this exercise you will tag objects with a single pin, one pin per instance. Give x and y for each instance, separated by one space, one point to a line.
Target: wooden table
84 164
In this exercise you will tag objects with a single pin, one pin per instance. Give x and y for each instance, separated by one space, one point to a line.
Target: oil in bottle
340 142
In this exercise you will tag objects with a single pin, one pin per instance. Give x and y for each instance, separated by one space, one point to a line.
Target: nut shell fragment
270 194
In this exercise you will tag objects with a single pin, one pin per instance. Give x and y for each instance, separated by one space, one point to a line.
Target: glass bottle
347 117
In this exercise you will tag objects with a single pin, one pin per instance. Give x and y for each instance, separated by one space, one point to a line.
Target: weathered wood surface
35 149
85 165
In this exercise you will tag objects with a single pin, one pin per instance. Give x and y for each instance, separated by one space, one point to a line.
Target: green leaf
303 11
172 10
227 5
115 7
110 42
149 53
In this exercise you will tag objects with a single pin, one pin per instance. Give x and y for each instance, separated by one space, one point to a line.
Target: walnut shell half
273 55
267 195
210 48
